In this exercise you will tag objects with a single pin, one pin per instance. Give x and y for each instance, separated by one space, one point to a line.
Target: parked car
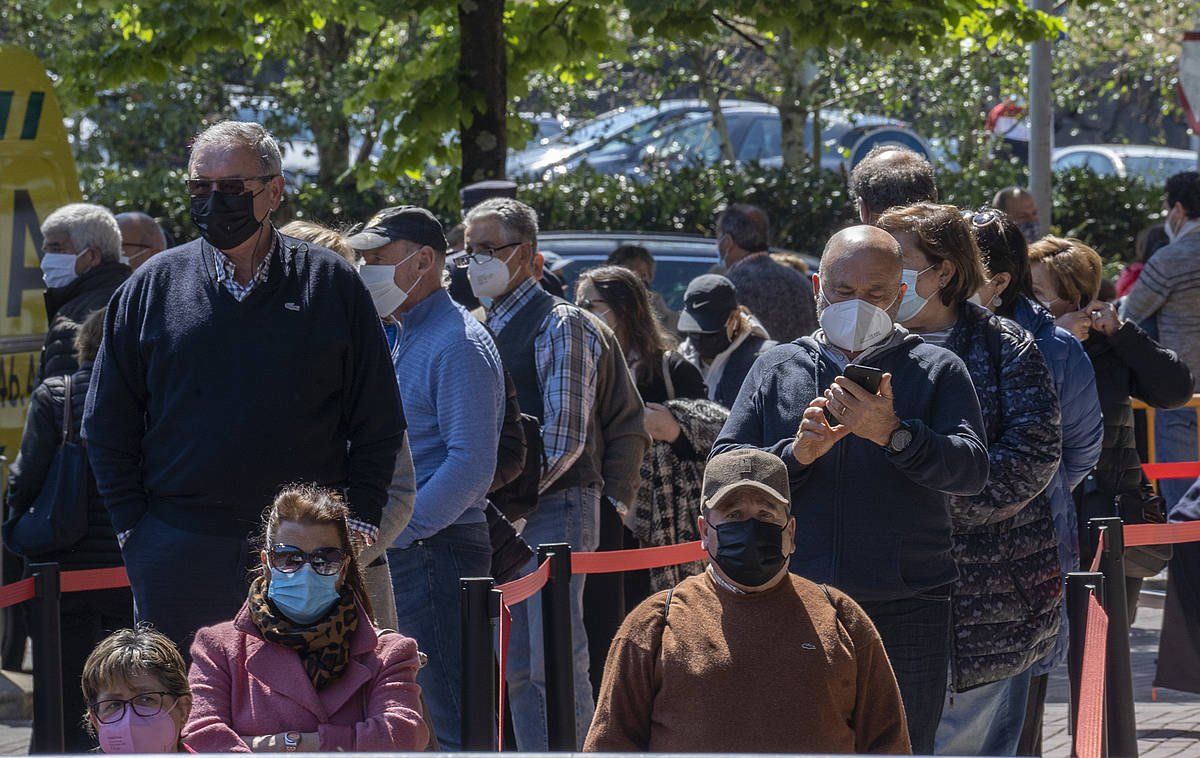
1153 165
755 135
679 258
625 125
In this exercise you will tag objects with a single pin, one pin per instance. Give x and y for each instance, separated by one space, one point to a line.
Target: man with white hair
141 238
81 250
570 374
232 365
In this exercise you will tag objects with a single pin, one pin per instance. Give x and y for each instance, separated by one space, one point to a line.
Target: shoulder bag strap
666 369
68 414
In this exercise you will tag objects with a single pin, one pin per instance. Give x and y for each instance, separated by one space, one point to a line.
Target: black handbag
1144 507
58 518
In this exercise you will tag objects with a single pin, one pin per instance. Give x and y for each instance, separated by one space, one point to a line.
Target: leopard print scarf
324 648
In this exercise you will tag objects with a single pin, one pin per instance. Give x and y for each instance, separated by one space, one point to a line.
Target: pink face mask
140 734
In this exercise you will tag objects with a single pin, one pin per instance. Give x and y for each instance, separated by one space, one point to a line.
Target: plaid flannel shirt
226 269
567 353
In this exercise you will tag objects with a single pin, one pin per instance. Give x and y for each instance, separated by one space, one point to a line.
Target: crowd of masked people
298 441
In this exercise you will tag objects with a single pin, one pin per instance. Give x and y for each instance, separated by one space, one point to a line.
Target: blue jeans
985 720
570 516
916 636
425 579
1174 440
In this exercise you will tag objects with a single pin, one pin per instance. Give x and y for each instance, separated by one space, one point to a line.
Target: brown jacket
789 670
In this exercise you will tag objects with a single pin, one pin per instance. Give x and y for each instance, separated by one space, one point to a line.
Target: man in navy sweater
231 366
870 489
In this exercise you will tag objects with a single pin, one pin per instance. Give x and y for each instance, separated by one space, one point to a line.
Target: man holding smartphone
871 472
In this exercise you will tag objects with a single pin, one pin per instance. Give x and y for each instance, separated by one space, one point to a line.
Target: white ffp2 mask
855 325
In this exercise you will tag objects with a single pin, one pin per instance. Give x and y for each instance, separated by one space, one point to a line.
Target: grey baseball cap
747 469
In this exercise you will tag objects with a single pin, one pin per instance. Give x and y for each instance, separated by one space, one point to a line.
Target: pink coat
244 686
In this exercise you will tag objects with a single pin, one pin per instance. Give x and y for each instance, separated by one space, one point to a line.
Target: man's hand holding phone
869 415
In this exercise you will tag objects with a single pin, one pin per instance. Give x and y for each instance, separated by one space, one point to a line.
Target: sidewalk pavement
1167 727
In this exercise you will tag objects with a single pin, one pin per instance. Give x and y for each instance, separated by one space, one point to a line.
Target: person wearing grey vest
555 354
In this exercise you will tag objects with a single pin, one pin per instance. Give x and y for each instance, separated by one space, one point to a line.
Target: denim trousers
916 635
985 720
572 516
1174 440
425 579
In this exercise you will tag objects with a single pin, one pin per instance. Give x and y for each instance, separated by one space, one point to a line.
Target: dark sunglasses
982 218
204 187
326 561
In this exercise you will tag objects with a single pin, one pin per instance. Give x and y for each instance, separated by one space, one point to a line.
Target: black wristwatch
900 438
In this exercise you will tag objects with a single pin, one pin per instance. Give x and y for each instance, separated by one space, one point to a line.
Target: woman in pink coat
302 667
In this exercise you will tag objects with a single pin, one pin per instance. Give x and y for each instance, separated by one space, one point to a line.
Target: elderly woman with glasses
137 693
302 667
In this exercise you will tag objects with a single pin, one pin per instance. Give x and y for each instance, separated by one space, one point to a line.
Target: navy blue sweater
873 524
201 407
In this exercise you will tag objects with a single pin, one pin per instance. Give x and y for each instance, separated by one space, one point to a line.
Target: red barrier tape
613 561
1162 534
516 591
1177 470
97 579
1089 720
17 592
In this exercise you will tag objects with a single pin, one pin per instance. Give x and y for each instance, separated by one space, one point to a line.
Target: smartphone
864 376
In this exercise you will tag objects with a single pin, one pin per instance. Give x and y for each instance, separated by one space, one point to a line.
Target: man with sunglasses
141 238
232 365
452 383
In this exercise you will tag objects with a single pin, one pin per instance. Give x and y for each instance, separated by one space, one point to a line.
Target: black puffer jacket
1128 364
1006 599
67 307
43 430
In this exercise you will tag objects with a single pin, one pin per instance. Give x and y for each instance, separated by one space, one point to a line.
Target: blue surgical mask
303 596
913 303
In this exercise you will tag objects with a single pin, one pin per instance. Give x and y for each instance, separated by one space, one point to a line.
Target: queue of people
889 464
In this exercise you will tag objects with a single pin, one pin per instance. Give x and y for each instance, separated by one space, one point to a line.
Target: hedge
805 206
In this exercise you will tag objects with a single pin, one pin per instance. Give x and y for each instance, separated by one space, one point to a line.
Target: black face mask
225 220
711 345
750 552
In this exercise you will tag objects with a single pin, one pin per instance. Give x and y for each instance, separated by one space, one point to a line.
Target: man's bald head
888 177
860 263
141 237
861 243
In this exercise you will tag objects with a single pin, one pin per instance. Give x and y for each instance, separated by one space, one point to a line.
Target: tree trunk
483 89
709 94
798 75
330 128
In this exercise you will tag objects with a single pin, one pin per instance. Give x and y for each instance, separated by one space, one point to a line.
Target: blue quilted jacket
1007 597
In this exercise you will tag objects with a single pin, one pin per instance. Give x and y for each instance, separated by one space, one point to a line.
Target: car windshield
643 129
613 122
1154 169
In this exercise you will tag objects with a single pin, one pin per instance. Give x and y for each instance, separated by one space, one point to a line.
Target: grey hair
87 226
518 219
246 135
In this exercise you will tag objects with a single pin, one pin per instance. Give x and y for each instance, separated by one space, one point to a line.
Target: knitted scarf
324 647
668 501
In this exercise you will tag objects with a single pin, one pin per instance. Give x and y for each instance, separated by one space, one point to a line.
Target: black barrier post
1118 684
47 734
1080 586
480 609
559 648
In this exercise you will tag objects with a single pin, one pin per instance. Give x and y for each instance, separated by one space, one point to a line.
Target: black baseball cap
402 222
707 304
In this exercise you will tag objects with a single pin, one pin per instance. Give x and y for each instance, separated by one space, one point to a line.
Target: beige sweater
782 671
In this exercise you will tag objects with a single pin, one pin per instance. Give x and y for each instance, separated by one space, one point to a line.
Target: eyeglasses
480 255
590 305
145 705
326 561
204 187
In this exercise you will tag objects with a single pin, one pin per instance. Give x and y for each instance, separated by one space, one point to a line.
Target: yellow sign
37 175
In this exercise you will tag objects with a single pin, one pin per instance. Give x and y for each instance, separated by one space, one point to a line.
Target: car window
1071 160
639 132
763 139
694 142
1157 169
1101 164
677 262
